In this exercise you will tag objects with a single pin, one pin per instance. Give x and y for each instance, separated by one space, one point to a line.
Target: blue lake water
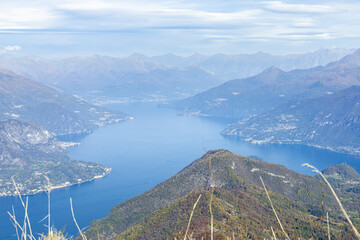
143 152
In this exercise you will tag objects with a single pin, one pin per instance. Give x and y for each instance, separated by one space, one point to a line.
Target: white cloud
12 48
279 6
170 23
27 17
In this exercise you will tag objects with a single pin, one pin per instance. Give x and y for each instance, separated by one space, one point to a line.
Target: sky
184 27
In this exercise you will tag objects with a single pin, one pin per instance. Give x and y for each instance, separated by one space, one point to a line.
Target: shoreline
64 185
340 149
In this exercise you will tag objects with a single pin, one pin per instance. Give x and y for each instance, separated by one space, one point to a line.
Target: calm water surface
142 153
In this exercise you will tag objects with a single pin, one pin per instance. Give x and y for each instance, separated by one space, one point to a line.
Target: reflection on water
143 152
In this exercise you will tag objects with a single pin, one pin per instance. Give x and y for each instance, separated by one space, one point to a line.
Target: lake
142 153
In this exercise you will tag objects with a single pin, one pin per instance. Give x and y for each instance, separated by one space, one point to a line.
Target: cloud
176 25
12 48
279 6
27 17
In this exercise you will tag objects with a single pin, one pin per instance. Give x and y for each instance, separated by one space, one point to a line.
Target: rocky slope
27 100
28 153
240 205
330 121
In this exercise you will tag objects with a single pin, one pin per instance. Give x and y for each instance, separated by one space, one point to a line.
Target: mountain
28 153
179 61
244 98
124 79
331 121
165 77
240 205
27 100
228 67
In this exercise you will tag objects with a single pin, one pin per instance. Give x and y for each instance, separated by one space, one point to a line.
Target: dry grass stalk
212 185
23 204
53 235
273 233
48 216
328 225
192 212
26 224
336 197
272 206
73 215
14 223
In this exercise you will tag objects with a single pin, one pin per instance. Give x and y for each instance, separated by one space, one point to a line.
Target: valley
276 116
179 120
162 142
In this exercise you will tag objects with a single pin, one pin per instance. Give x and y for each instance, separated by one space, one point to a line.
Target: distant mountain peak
197 55
354 88
271 73
261 53
137 56
273 69
353 59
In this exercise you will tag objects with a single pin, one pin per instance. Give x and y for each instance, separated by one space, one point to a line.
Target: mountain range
241 99
241 209
228 67
142 78
99 77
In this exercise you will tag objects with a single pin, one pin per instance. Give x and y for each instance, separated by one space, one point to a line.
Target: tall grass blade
73 215
328 225
336 197
273 233
272 206
192 212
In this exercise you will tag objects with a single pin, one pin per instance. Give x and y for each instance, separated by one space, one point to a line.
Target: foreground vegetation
236 204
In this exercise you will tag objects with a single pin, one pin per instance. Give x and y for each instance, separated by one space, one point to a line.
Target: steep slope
244 98
27 100
330 121
241 99
233 174
237 214
28 152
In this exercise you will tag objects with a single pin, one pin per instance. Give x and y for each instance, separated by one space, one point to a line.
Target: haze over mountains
317 106
143 78
133 78
244 98
227 67
28 100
